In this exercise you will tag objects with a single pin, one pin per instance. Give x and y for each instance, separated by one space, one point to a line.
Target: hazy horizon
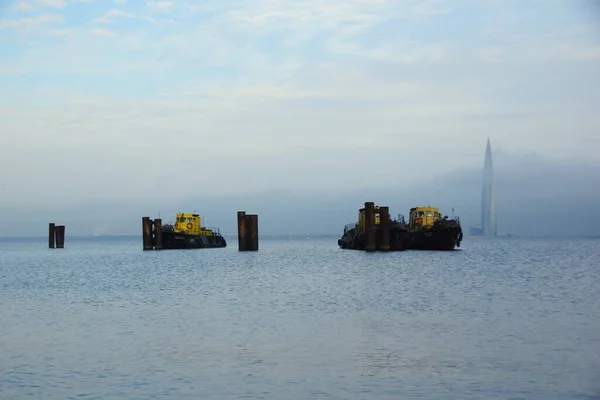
528 204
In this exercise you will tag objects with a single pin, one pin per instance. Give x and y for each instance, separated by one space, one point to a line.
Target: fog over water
534 197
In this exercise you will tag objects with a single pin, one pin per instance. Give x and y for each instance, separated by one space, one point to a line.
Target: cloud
21 6
491 54
106 18
32 5
578 52
308 94
60 32
31 22
114 14
101 32
11 71
51 3
264 17
161 5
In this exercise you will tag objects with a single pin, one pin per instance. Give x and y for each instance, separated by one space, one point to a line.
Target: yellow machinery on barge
188 232
431 231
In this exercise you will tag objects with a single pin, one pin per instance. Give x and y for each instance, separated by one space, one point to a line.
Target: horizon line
307 235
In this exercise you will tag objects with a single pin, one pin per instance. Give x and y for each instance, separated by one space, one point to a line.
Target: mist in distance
534 197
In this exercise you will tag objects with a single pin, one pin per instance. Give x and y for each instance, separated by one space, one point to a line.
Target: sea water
300 319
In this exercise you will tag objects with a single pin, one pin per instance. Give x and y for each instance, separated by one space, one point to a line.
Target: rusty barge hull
376 231
399 240
427 229
175 240
435 240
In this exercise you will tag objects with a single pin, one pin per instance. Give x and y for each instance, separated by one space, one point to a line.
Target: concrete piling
51 229
147 233
60 236
157 234
370 226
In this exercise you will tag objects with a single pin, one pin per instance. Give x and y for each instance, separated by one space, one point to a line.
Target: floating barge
375 231
426 230
186 233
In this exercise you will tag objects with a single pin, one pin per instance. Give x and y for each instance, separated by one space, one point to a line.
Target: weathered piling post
384 229
147 233
60 236
247 231
51 229
252 232
241 219
157 234
370 225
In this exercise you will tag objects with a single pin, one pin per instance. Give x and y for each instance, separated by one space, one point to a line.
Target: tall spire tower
488 206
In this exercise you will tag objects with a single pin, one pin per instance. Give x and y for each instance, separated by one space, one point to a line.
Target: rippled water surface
300 319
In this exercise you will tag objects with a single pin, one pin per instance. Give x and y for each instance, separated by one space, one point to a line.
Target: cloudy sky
126 99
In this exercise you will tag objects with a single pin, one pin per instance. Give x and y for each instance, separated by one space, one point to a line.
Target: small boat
431 231
188 233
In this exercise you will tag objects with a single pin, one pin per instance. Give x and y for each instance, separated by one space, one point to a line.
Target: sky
166 100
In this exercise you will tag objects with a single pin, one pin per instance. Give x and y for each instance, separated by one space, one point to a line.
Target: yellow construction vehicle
423 217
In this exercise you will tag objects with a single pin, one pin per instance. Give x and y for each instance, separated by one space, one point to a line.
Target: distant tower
488 206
